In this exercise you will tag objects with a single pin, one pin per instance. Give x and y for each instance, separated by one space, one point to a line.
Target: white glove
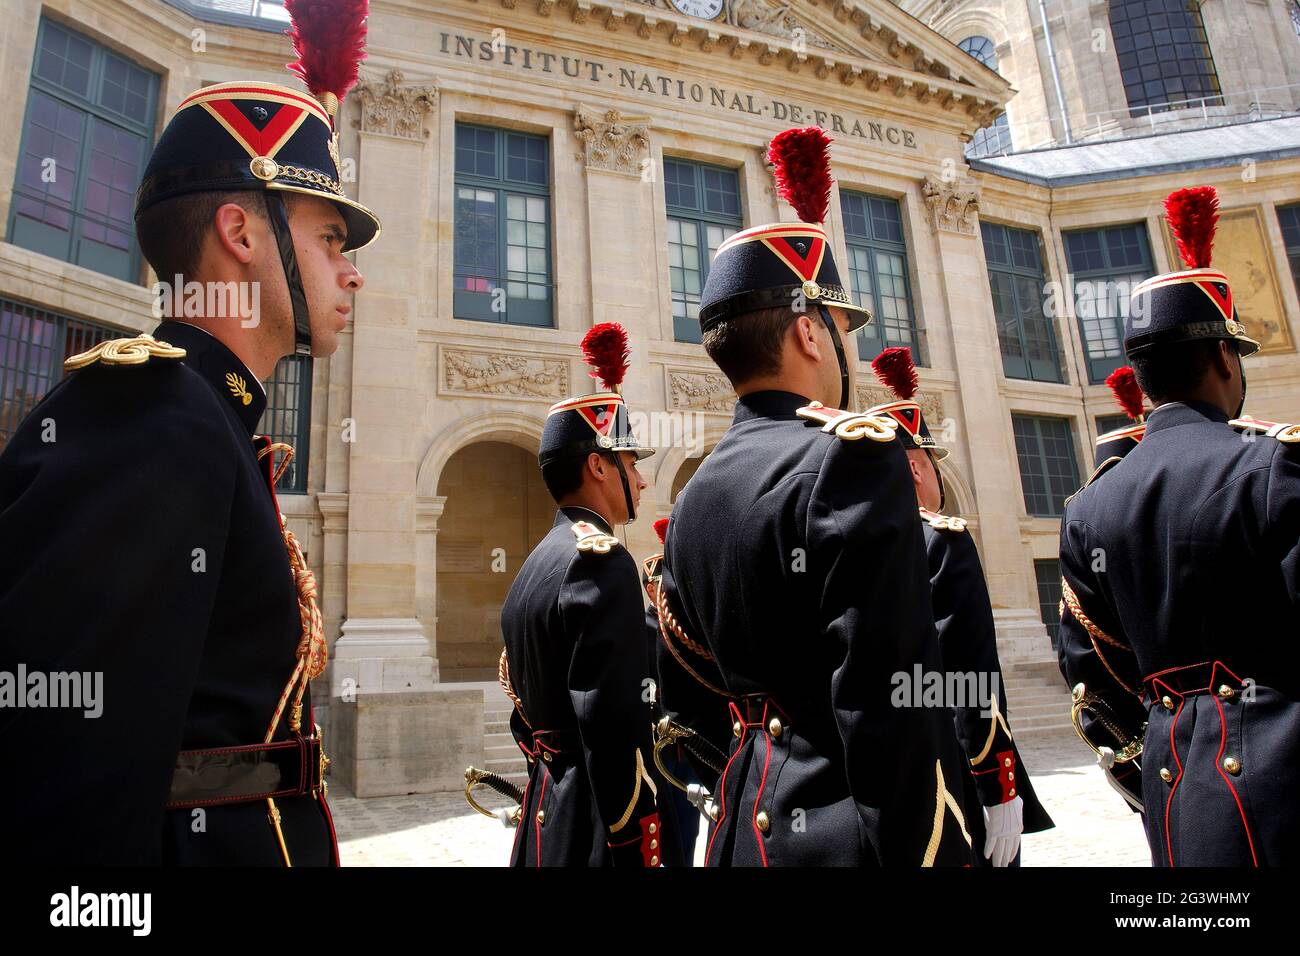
1003 825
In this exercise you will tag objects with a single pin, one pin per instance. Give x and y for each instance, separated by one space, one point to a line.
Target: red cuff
1007 774
647 844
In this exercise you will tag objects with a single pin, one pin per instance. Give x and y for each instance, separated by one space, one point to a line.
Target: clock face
704 9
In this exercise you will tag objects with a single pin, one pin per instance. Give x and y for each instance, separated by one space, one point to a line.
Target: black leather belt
1207 677
226 775
551 743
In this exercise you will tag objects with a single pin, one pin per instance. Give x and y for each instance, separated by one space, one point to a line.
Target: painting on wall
1242 253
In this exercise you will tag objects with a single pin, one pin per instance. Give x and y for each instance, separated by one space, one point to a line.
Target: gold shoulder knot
850 426
1283 432
133 351
943 522
592 539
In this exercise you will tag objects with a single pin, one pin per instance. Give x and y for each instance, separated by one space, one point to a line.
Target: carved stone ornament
954 207
931 403
392 109
700 391
613 141
479 372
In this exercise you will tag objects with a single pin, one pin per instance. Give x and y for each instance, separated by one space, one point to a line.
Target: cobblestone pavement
1094 827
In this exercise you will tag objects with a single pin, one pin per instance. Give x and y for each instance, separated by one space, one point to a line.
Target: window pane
1047 575
1173 68
64 59
33 346
288 415
476 255
1048 470
679 184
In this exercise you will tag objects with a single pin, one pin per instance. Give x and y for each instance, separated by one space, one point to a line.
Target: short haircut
748 346
563 476
171 233
1170 372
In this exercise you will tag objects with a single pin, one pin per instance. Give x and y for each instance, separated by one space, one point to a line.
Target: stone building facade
543 165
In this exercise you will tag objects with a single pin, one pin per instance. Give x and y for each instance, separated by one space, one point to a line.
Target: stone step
1043 710
1033 725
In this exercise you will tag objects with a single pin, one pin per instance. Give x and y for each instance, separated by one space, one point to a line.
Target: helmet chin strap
839 354
1242 366
279 217
938 476
627 487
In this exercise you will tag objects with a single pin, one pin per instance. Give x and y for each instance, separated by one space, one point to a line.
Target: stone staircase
1037 698
501 754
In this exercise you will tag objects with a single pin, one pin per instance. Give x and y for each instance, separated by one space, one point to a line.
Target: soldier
795 563
1118 442
963 615
1168 657
574 660
142 538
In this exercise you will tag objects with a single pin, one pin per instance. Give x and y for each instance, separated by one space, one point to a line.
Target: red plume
329 39
803 170
1128 393
661 529
894 368
1192 215
605 347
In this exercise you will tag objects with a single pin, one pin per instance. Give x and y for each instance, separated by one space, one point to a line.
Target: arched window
1295 16
1164 57
996 138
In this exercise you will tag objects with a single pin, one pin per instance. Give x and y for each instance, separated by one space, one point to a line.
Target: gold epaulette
133 351
942 522
1282 431
850 426
1097 472
590 538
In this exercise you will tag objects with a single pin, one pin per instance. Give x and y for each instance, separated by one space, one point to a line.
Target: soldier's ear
234 231
596 465
804 332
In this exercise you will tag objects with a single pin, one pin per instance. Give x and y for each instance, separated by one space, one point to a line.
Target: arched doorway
684 474
496 510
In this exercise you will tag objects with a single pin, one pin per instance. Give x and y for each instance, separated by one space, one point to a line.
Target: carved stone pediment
480 372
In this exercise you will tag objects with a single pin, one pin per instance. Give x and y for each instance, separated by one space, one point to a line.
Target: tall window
33 345
502 259
703 206
873 230
1289 218
85 138
1049 470
287 417
995 139
1109 423
1025 333
1047 574
1105 265
1164 58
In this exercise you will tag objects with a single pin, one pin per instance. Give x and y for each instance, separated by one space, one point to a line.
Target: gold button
541 816
1011 775
654 861
1232 765
654 844
1168 702
654 827
1165 775
546 755
1225 691
774 727
1011 792
762 821
737 728
1007 762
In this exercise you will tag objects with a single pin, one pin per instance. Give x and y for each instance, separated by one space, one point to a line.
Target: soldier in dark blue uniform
1181 581
142 538
963 616
574 656
795 564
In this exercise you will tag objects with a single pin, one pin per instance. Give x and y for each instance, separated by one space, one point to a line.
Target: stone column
954 215
428 509
397 731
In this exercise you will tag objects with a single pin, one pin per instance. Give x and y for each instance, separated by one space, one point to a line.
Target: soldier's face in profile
329 279
634 481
